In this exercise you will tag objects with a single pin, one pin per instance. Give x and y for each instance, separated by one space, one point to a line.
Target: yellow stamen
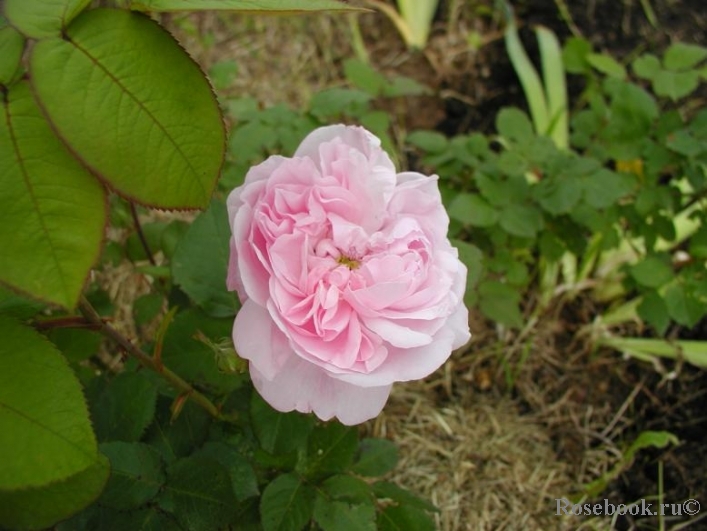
349 262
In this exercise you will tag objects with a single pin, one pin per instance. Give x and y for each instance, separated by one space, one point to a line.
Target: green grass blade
555 86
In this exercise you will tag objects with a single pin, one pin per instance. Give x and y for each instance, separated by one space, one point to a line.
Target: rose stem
146 360
141 234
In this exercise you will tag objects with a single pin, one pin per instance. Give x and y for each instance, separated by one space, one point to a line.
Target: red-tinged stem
141 234
146 360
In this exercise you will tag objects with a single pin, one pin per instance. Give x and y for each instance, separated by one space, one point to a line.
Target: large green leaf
45 432
42 507
331 448
42 18
12 44
287 504
279 433
133 106
243 478
199 490
136 474
247 6
376 457
200 261
125 408
52 211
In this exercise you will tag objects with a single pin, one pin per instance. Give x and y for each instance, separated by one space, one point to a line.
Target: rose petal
304 387
406 364
258 340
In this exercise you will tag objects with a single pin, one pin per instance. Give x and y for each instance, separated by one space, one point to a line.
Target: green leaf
243 479
362 76
633 111
646 66
42 18
148 519
472 257
76 344
521 220
558 194
125 408
344 487
405 86
155 134
499 302
223 73
200 262
683 307
654 311
675 85
574 55
52 211
376 457
404 518
514 125
199 490
243 6
332 515
179 437
19 307
429 141
391 491
681 56
330 449
335 101
649 439
136 474
279 433
472 209
194 360
147 307
606 65
45 432
42 507
12 44
287 504
652 272
605 187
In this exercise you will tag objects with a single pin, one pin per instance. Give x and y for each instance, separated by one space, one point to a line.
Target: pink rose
346 275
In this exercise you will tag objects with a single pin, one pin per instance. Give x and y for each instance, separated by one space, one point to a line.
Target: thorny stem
146 360
141 234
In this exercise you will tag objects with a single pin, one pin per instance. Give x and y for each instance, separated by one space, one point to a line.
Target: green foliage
50 453
631 182
181 130
124 407
42 18
52 211
203 280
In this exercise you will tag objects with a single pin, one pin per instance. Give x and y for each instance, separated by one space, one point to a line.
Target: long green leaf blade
529 79
555 86
243 6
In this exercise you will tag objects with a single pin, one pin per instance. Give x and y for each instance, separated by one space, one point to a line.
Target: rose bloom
346 275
